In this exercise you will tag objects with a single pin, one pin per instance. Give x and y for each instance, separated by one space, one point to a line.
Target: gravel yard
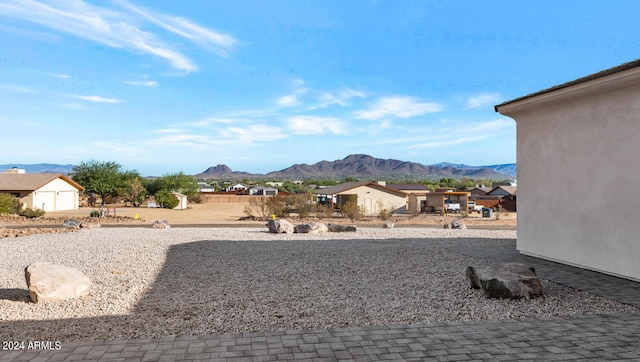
191 281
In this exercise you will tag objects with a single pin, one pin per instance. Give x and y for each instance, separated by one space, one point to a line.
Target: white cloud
342 98
482 100
251 134
490 126
211 121
446 143
119 29
400 107
149 83
288 100
308 125
61 76
99 99
15 88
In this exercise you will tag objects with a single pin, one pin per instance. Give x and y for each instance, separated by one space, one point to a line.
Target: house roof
511 190
414 187
333 190
601 74
31 181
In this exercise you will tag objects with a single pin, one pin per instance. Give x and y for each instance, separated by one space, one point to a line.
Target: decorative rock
52 282
161 224
72 223
280 226
388 225
455 225
338 228
311 228
508 280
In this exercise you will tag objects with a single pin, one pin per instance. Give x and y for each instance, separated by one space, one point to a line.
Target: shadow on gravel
215 287
14 294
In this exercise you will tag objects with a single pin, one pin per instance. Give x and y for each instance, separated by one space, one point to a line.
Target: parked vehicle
473 207
450 206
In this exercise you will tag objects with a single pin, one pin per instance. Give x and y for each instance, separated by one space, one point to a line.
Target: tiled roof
31 182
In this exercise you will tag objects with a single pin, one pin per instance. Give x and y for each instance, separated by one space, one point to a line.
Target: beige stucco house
577 153
45 191
372 197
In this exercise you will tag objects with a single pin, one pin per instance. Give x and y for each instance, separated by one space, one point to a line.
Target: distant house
205 187
263 190
571 137
45 191
237 187
478 191
416 195
371 196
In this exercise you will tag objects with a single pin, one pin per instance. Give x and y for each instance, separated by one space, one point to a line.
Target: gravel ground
191 281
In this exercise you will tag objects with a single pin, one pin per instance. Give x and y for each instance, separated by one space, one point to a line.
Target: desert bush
7 204
384 213
95 213
31 213
166 199
257 207
351 210
302 204
324 211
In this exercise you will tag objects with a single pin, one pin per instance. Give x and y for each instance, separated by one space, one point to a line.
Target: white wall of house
57 195
577 156
372 200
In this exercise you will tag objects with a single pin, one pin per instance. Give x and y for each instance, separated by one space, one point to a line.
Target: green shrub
30 213
167 199
351 210
6 204
95 213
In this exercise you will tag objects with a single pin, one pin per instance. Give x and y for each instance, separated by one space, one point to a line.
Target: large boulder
311 228
71 224
507 280
280 226
161 224
338 228
48 282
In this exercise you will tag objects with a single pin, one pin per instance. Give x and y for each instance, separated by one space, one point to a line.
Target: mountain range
361 166
356 166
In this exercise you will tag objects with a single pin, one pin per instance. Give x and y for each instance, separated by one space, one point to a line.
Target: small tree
384 213
257 207
167 199
134 192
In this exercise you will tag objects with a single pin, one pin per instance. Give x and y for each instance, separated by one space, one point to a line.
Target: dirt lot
229 214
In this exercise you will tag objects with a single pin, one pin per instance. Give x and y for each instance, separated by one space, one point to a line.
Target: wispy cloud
342 97
15 88
490 126
216 41
399 107
288 100
61 76
482 100
119 29
99 99
446 142
251 134
308 125
149 83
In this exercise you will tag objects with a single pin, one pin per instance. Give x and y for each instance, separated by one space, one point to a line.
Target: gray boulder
508 280
48 282
458 225
161 224
280 226
71 224
338 228
388 225
311 228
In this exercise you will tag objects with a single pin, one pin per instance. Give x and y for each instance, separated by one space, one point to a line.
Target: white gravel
191 281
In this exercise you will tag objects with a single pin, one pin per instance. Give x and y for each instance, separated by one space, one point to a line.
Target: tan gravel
191 281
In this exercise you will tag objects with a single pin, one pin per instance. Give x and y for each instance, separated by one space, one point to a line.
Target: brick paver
581 338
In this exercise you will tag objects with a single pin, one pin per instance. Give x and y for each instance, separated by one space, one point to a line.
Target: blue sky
168 86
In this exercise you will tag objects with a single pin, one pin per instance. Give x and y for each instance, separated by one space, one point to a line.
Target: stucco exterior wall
57 195
578 174
372 200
